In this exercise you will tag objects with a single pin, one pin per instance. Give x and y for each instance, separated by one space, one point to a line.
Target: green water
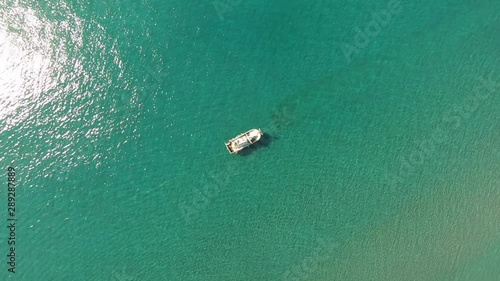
379 164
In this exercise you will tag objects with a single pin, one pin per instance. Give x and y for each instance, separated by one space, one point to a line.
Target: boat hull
244 140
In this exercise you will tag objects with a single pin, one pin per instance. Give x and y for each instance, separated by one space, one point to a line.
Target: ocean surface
380 161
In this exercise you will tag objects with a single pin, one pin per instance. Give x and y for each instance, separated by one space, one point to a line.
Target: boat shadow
264 142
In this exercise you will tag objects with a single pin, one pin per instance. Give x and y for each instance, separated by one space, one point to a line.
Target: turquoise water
382 164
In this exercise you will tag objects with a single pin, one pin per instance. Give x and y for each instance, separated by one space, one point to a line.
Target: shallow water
383 166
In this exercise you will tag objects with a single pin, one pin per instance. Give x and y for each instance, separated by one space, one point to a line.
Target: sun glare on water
30 65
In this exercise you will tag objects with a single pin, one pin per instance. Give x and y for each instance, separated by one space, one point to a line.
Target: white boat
244 140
